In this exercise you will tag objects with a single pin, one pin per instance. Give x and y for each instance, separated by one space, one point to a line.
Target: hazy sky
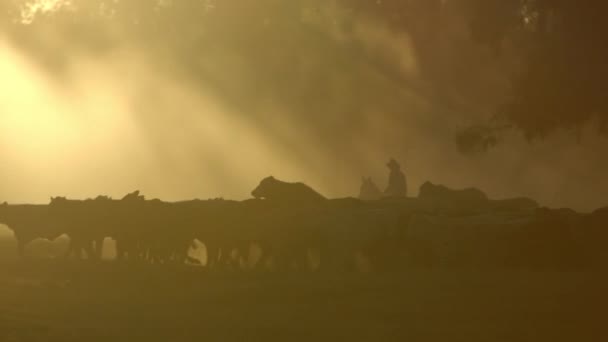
126 118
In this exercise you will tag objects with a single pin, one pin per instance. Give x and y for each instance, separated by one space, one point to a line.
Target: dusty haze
317 103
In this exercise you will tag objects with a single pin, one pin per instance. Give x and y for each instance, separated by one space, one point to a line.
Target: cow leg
212 255
230 259
269 254
234 252
77 248
21 248
262 259
71 248
81 249
301 259
120 251
89 249
244 254
99 248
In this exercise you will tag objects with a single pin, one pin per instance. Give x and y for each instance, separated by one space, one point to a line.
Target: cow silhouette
271 188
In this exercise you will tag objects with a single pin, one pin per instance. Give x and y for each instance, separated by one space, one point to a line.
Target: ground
54 300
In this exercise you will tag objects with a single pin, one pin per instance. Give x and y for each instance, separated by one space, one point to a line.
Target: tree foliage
561 83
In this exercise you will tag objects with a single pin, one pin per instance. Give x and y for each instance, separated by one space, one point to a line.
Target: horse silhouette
369 191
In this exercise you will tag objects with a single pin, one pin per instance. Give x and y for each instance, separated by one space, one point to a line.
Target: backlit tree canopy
558 48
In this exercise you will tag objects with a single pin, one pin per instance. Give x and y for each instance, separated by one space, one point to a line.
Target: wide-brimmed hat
393 164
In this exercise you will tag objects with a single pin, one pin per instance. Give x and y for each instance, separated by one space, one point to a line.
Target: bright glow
114 126
32 118
55 134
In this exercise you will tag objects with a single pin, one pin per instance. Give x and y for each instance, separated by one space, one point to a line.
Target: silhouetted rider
397 186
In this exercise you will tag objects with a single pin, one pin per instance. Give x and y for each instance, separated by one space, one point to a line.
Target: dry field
56 300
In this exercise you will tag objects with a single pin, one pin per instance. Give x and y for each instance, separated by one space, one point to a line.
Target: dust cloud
325 103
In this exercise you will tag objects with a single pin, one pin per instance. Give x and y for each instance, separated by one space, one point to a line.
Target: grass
55 300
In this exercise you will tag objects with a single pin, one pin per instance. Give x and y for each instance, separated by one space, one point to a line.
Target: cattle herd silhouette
289 222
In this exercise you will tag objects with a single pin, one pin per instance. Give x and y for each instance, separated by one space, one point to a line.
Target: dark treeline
288 221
